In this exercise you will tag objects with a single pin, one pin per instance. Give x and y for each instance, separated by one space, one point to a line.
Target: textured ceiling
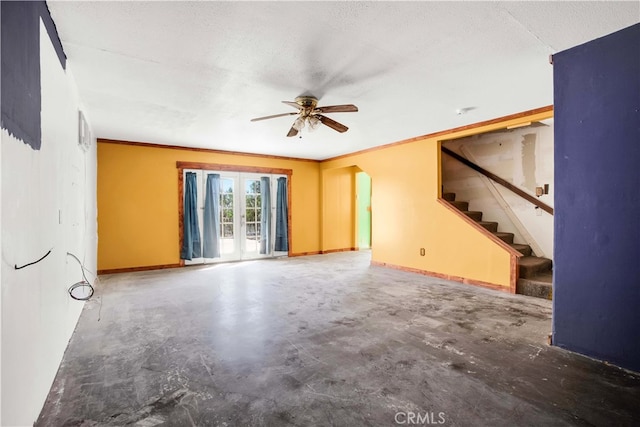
195 73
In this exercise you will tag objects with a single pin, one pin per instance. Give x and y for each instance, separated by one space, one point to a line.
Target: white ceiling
195 73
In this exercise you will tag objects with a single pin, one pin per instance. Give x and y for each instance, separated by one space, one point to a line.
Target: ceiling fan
309 113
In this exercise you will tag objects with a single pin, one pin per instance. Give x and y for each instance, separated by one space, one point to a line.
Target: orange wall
406 215
138 206
138 202
338 207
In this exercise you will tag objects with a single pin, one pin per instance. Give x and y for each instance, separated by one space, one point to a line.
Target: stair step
449 197
463 206
523 249
535 288
475 215
531 266
505 237
489 225
543 277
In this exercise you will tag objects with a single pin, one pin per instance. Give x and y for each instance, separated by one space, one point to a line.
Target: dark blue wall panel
20 75
52 31
20 67
597 198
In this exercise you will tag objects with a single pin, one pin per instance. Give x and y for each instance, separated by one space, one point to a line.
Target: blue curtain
211 238
282 241
191 247
265 218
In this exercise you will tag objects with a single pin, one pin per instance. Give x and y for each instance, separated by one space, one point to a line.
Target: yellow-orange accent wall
138 202
338 209
138 206
406 215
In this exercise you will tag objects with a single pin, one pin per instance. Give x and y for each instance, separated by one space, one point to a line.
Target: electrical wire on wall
34 262
81 290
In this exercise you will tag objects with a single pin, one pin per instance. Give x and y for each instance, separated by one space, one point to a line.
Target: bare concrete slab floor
323 340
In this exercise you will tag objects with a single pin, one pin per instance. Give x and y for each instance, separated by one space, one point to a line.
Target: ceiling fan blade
293 104
347 108
273 117
292 132
332 123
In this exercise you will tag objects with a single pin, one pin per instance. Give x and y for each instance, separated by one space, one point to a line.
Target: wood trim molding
472 126
233 168
304 253
289 225
330 251
514 274
180 214
481 229
203 150
444 276
134 269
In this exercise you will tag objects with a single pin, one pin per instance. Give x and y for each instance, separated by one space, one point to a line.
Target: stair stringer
513 254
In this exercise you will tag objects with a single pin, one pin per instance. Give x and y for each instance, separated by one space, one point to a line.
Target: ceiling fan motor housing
307 102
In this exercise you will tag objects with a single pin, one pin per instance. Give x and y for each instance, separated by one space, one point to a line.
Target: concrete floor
323 340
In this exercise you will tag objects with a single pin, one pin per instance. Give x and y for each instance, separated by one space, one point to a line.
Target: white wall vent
84 132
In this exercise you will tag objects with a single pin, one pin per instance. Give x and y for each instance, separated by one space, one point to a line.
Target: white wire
83 283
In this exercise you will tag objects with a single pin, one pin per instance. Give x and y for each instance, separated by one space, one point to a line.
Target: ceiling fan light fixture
314 122
298 124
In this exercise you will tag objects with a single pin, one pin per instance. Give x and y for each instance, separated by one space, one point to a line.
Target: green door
363 196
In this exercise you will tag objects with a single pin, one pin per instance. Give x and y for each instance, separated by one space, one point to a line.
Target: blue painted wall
20 103
597 198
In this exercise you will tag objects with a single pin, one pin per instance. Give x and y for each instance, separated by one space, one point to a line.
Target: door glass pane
227 231
252 215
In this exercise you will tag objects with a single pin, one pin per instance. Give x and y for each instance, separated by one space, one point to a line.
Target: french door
241 220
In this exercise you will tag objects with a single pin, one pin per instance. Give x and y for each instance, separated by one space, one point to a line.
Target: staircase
535 272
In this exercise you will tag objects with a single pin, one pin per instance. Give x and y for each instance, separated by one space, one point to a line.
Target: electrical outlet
539 191
422 251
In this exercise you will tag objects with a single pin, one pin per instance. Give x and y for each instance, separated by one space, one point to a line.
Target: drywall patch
20 76
529 161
